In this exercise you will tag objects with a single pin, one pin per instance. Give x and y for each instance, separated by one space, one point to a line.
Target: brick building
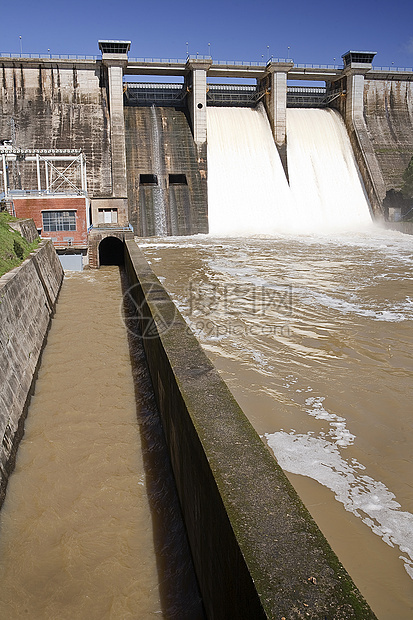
64 219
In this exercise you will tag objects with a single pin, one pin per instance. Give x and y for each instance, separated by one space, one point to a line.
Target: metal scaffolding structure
58 171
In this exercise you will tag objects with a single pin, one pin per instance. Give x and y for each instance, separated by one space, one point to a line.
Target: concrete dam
83 146
145 144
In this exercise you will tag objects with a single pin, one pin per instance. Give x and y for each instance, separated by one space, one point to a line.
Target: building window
59 220
107 216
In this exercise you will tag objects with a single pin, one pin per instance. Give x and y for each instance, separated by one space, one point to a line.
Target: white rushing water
324 178
248 192
158 192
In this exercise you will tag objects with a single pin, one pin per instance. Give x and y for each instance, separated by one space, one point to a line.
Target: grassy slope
13 247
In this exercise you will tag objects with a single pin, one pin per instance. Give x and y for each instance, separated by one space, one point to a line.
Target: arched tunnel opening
111 251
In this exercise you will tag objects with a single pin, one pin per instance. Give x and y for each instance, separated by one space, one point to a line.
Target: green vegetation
13 247
407 189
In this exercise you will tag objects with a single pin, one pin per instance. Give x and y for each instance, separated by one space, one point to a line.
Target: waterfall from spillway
324 178
247 188
248 192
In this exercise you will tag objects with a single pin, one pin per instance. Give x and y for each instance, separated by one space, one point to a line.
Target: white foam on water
320 459
338 431
393 312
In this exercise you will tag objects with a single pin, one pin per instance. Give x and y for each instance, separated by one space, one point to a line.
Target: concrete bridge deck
217 69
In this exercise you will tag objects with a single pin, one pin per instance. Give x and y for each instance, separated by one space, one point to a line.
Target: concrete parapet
27 301
27 229
257 551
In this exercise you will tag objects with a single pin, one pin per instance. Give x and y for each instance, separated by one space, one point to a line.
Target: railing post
5 180
39 182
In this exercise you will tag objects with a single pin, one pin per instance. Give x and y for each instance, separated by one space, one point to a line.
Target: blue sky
314 32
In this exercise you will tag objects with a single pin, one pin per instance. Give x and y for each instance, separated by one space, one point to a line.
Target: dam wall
166 178
147 165
377 106
368 165
28 295
382 139
58 105
388 111
257 551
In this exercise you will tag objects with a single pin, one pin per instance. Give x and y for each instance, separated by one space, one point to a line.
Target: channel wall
28 296
256 549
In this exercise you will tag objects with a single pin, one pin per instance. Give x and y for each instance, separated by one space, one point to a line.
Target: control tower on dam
145 142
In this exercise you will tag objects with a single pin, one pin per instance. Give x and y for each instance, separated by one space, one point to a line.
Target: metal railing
166 61
145 94
138 93
232 87
403 69
306 96
250 63
183 61
154 86
315 66
233 95
48 56
306 89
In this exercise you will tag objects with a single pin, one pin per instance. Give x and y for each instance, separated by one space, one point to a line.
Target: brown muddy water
91 527
313 334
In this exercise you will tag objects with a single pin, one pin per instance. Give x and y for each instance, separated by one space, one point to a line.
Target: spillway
248 192
247 189
324 178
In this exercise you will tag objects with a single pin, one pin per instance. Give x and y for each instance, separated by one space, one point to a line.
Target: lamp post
21 49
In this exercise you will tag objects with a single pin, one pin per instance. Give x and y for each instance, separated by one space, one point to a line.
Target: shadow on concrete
180 597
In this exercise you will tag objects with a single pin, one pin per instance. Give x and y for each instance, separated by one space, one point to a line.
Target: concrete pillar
117 130
197 87
355 95
115 58
276 99
356 65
